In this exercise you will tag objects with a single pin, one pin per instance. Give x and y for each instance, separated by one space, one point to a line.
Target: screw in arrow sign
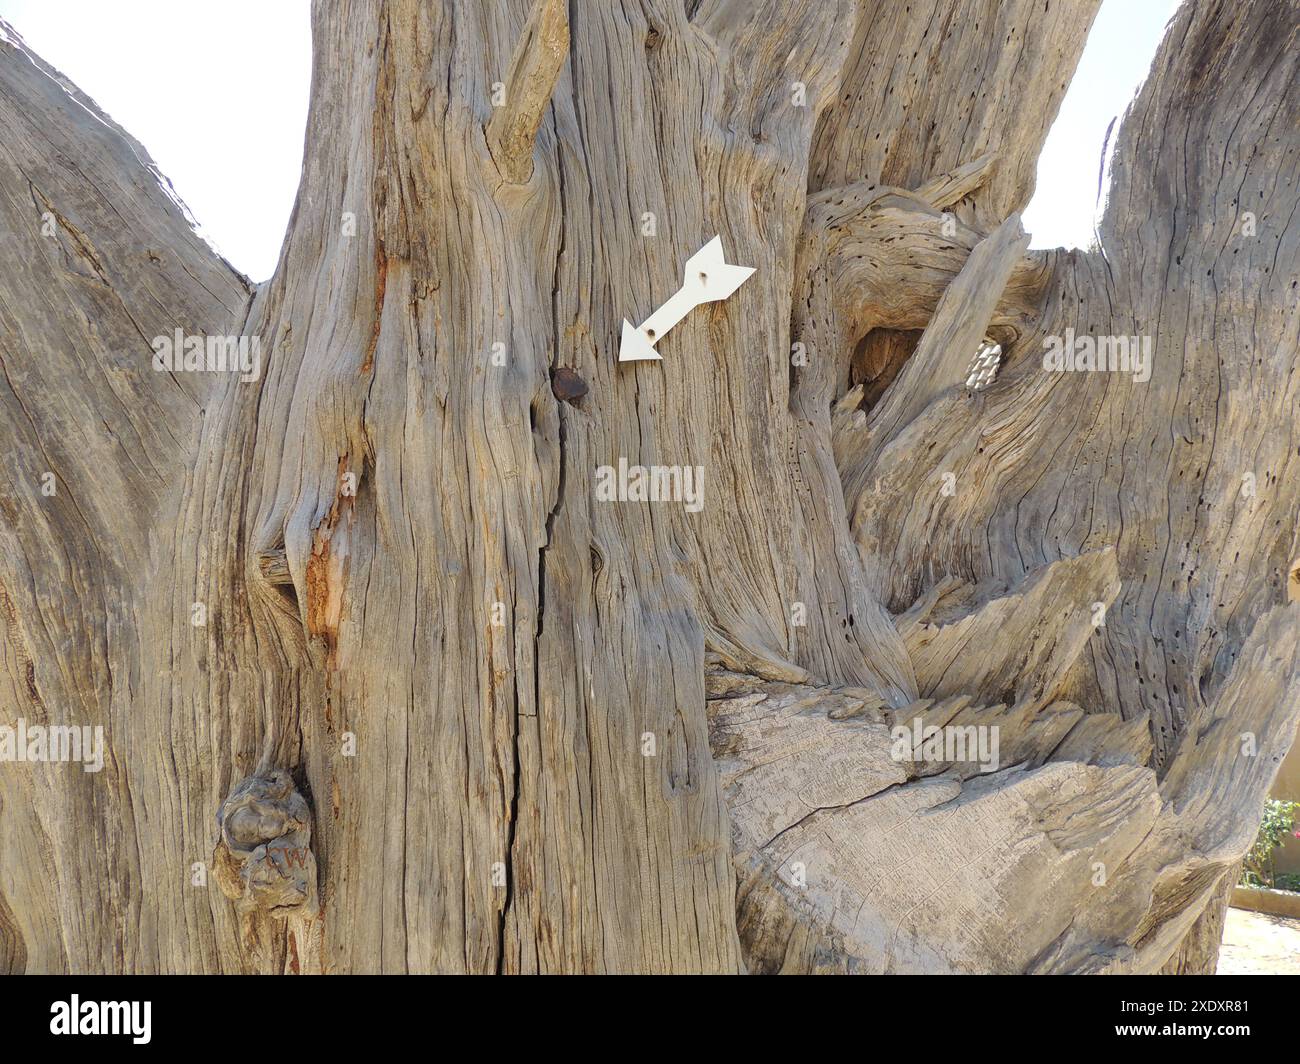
707 278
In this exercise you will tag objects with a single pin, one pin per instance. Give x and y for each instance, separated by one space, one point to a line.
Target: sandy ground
1259 944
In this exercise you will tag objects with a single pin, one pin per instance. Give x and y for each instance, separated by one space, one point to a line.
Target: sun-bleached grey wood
418 608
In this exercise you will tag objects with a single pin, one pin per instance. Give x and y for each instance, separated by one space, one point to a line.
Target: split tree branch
946 189
992 643
534 71
961 321
872 256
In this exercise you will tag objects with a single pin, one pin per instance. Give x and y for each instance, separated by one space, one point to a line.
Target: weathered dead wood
534 70
820 804
826 842
928 90
263 859
1014 645
502 694
946 189
97 258
1222 772
961 320
874 258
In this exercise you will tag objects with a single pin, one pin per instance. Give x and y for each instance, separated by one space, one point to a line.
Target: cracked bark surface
396 538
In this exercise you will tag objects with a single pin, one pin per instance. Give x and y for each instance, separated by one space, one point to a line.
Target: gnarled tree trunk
450 710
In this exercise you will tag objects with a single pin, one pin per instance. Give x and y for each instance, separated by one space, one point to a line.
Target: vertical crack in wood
545 395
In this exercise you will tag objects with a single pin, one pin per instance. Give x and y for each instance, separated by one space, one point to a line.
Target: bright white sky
1118 55
216 90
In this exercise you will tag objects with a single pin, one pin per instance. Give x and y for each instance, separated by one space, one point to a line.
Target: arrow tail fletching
710 277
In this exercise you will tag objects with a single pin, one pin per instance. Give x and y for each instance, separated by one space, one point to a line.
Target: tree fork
540 732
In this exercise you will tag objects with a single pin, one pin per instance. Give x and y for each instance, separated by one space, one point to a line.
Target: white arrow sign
707 278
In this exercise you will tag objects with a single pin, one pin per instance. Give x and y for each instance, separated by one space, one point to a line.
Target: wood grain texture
536 730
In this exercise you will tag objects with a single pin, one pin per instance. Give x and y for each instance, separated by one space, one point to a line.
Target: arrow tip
634 347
